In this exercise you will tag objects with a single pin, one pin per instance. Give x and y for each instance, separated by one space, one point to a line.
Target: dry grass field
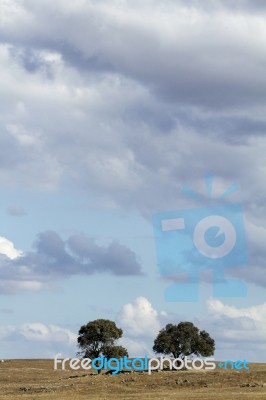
36 379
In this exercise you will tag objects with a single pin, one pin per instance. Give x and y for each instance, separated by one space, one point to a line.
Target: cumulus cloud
256 313
239 330
139 318
55 258
141 323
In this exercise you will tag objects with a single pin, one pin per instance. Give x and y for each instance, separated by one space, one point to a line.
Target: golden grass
36 379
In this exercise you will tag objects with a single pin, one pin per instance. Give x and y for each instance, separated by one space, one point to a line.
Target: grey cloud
15 211
237 5
212 66
55 258
136 109
80 255
254 272
31 59
213 5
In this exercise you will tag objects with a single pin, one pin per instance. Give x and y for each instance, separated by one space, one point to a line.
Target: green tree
184 339
98 338
115 352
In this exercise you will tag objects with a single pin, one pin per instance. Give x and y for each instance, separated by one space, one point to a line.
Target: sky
108 109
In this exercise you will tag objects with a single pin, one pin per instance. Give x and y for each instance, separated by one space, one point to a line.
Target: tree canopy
184 339
98 338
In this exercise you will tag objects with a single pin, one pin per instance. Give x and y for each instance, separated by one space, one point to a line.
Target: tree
115 352
98 338
184 339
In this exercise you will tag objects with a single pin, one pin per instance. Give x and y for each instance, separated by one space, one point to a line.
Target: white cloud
37 340
18 279
46 333
241 330
8 249
139 318
256 313
141 323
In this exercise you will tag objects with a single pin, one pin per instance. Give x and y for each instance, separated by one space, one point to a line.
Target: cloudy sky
108 108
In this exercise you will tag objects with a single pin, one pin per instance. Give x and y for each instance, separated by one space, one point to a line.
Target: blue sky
109 108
